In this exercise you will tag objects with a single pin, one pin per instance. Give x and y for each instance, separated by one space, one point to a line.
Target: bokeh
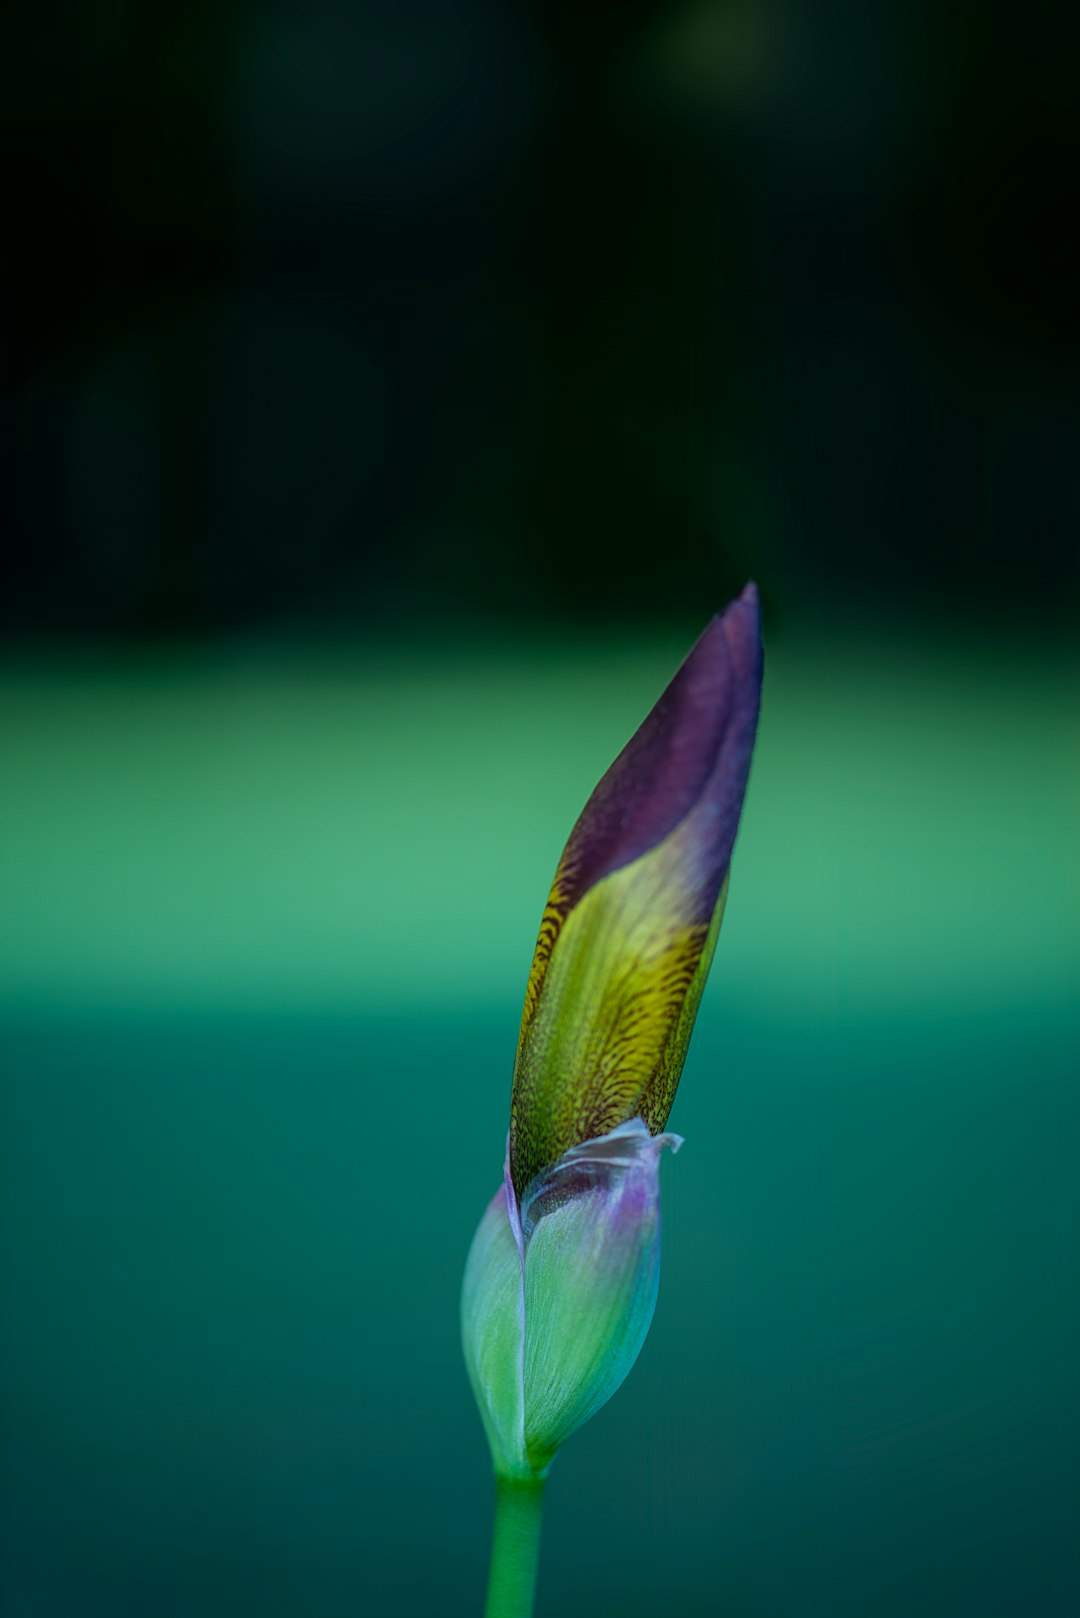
390 395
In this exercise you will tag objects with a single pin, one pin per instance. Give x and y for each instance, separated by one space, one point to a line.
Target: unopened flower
561 1279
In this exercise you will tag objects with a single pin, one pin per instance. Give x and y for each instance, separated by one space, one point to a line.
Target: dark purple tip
695 744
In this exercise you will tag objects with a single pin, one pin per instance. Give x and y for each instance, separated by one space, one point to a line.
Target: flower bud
632 918
557 1303
561 1280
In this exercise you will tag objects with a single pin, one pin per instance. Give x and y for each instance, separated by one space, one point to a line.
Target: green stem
515 1548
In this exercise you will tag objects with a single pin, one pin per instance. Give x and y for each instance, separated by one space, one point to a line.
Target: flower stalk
515 1547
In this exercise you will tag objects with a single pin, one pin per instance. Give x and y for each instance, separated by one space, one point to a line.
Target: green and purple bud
561 1280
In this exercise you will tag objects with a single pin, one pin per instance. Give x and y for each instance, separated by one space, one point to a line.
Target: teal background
267 912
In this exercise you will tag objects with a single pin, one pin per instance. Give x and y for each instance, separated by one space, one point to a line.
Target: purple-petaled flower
561 1279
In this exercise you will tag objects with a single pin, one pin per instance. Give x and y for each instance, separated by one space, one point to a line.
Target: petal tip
740 625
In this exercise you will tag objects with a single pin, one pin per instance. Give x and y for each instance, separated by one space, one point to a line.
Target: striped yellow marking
611 1001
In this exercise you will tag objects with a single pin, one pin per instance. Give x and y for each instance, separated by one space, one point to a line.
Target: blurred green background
391 393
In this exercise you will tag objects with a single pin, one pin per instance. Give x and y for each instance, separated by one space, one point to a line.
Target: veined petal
633 914
592 1266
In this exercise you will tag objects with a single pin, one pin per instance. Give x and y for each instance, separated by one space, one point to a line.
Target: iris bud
561 1280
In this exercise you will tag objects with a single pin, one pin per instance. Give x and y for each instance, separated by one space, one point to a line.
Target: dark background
333 313
389 396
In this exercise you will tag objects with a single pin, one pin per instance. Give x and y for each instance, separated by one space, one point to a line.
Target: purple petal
693 747
604 1034
694 744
